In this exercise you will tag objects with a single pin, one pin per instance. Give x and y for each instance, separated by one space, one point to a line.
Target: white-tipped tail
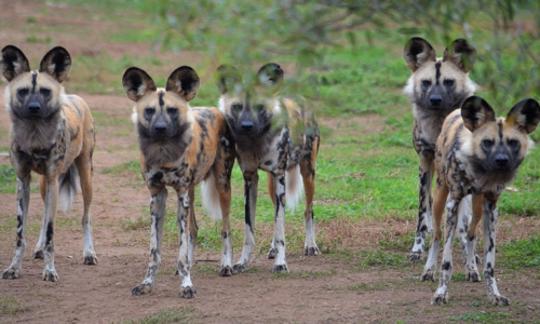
294 187
210 197
68 184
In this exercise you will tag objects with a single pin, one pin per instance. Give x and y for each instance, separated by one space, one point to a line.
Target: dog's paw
226 271
280 268
141 289
188 292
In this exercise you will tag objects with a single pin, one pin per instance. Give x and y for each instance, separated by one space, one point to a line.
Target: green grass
8 179
519 254
381 259
167 316
482 317
132 168
10 306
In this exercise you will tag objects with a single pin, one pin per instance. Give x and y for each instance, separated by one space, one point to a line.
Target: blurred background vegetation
308 35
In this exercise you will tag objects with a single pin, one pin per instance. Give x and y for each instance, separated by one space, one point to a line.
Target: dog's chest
42 152
272 154
179 176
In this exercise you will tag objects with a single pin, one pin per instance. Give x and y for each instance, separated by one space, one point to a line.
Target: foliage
506 33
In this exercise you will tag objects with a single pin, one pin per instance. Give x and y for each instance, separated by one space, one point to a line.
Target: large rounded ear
13 63
57 63
184 81
525 115
461 53
418 51
228 78
137 83
270 74
476 112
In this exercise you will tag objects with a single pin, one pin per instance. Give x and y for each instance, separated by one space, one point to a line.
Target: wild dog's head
498 146
161 114
439 84
249 107
34 94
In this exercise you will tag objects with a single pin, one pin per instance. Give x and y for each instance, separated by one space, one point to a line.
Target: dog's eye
513 143
449 82
172 111
426 84
487 143
149 112
21 93
259 107
237 107
45 93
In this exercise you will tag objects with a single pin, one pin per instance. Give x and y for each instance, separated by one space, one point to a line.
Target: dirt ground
328 288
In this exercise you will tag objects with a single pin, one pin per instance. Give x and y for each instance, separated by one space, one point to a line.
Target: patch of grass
8 179
166 316
11 306
381 259
519 254
370 286
140 223
304 274
132 167
481 317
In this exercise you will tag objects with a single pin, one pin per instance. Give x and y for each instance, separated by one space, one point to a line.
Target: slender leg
23 198
272 192
424 211
185 253
307 170
441 193
157 210
280 263
51 199
490 221
470 247
441 294
250 201
40 244
84 166
224 189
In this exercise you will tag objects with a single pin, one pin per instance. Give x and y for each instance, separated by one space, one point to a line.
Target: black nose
435 100
160 127
247 124
501 160
34 107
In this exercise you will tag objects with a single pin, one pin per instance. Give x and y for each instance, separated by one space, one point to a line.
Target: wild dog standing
477 154
52 134
180 147
435 88
279 136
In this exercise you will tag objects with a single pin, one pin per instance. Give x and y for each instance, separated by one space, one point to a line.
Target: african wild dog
279 136
180 147
476 154
436 87
52 134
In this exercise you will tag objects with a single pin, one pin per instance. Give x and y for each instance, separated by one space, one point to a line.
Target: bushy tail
294 187
68 184
210 197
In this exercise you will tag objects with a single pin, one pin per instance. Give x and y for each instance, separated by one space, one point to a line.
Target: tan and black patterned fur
477 154
436 87
277 135
53 135
180 147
